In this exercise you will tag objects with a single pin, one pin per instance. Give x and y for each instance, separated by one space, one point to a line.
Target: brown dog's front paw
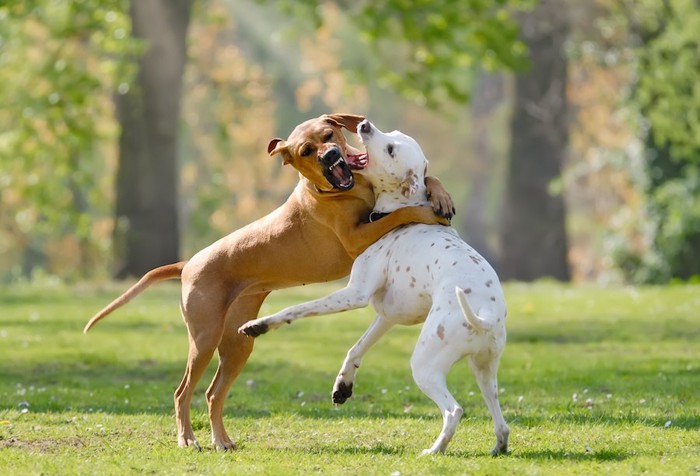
443 208
341 392
439 198
253 330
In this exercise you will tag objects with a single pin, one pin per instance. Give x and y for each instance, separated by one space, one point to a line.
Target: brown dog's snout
331 155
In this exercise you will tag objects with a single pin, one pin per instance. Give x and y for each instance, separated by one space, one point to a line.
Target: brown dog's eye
328 136
306 151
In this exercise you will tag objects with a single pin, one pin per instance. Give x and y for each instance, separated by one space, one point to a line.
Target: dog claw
226 446
341 393
189 443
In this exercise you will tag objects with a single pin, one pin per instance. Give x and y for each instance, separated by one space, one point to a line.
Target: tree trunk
534 241
477 224
147 232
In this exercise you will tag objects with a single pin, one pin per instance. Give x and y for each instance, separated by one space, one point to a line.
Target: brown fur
224 285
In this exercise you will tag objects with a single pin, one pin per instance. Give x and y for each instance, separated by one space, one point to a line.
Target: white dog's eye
390 149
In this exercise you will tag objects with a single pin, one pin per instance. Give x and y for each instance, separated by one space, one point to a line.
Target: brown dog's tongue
357 161
338 173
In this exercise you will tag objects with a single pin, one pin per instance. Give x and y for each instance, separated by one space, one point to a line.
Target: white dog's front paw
341 392
429 451
254 328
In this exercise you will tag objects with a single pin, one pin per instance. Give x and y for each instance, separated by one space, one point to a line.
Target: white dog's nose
364 127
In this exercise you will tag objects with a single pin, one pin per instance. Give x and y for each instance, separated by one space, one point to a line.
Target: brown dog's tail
169 271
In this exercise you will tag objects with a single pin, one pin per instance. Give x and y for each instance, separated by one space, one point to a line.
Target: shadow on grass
542 455
685 422
374 449
146 386
583 332
562 455
550 455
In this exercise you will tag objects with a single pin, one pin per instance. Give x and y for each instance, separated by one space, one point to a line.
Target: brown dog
224 285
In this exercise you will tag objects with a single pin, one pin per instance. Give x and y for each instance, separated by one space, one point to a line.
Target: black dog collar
374 216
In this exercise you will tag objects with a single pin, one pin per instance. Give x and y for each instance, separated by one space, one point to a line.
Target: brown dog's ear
278 146
348 121
273 147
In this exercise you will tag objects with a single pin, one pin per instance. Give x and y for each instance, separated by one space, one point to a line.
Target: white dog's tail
478 323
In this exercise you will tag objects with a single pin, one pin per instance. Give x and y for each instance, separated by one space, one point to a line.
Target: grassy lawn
593 381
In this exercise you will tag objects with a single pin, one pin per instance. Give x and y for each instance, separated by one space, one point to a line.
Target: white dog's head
396 167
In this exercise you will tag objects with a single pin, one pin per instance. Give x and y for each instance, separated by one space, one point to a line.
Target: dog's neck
387 201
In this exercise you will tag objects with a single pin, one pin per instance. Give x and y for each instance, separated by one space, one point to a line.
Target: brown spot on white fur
441 332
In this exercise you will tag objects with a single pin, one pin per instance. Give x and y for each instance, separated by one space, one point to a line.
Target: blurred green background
134 133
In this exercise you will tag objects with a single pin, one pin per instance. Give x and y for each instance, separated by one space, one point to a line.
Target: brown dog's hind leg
234 350
200 354
205 321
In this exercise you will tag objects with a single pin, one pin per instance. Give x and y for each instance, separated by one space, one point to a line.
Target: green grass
102 403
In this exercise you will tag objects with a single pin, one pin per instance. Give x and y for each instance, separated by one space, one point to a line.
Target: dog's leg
430 363
342 389
365 278
439 197
485 368
204 318
344 299
200 353
234 351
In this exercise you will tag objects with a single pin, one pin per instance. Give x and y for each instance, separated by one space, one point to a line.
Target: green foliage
668 91
594 381
59 63
430 50
673 224
666 98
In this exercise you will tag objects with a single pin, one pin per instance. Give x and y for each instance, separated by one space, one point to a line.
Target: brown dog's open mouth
339 175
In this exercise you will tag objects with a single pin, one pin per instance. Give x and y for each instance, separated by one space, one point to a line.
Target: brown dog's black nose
365 127
331 155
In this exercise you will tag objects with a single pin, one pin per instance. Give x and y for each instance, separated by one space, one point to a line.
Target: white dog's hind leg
430 363
485 368
342 389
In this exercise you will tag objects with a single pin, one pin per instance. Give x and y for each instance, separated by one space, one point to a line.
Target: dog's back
422 265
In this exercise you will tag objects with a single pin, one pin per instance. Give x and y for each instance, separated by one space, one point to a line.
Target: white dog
414 274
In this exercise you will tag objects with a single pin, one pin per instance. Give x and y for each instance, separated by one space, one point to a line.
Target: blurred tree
58 63
147 233
229 112
663 48
448 43
489 95
534 241
429 50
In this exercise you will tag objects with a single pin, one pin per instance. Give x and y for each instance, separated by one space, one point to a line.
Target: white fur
414 274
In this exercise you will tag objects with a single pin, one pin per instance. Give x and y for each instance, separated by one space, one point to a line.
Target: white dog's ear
409 184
